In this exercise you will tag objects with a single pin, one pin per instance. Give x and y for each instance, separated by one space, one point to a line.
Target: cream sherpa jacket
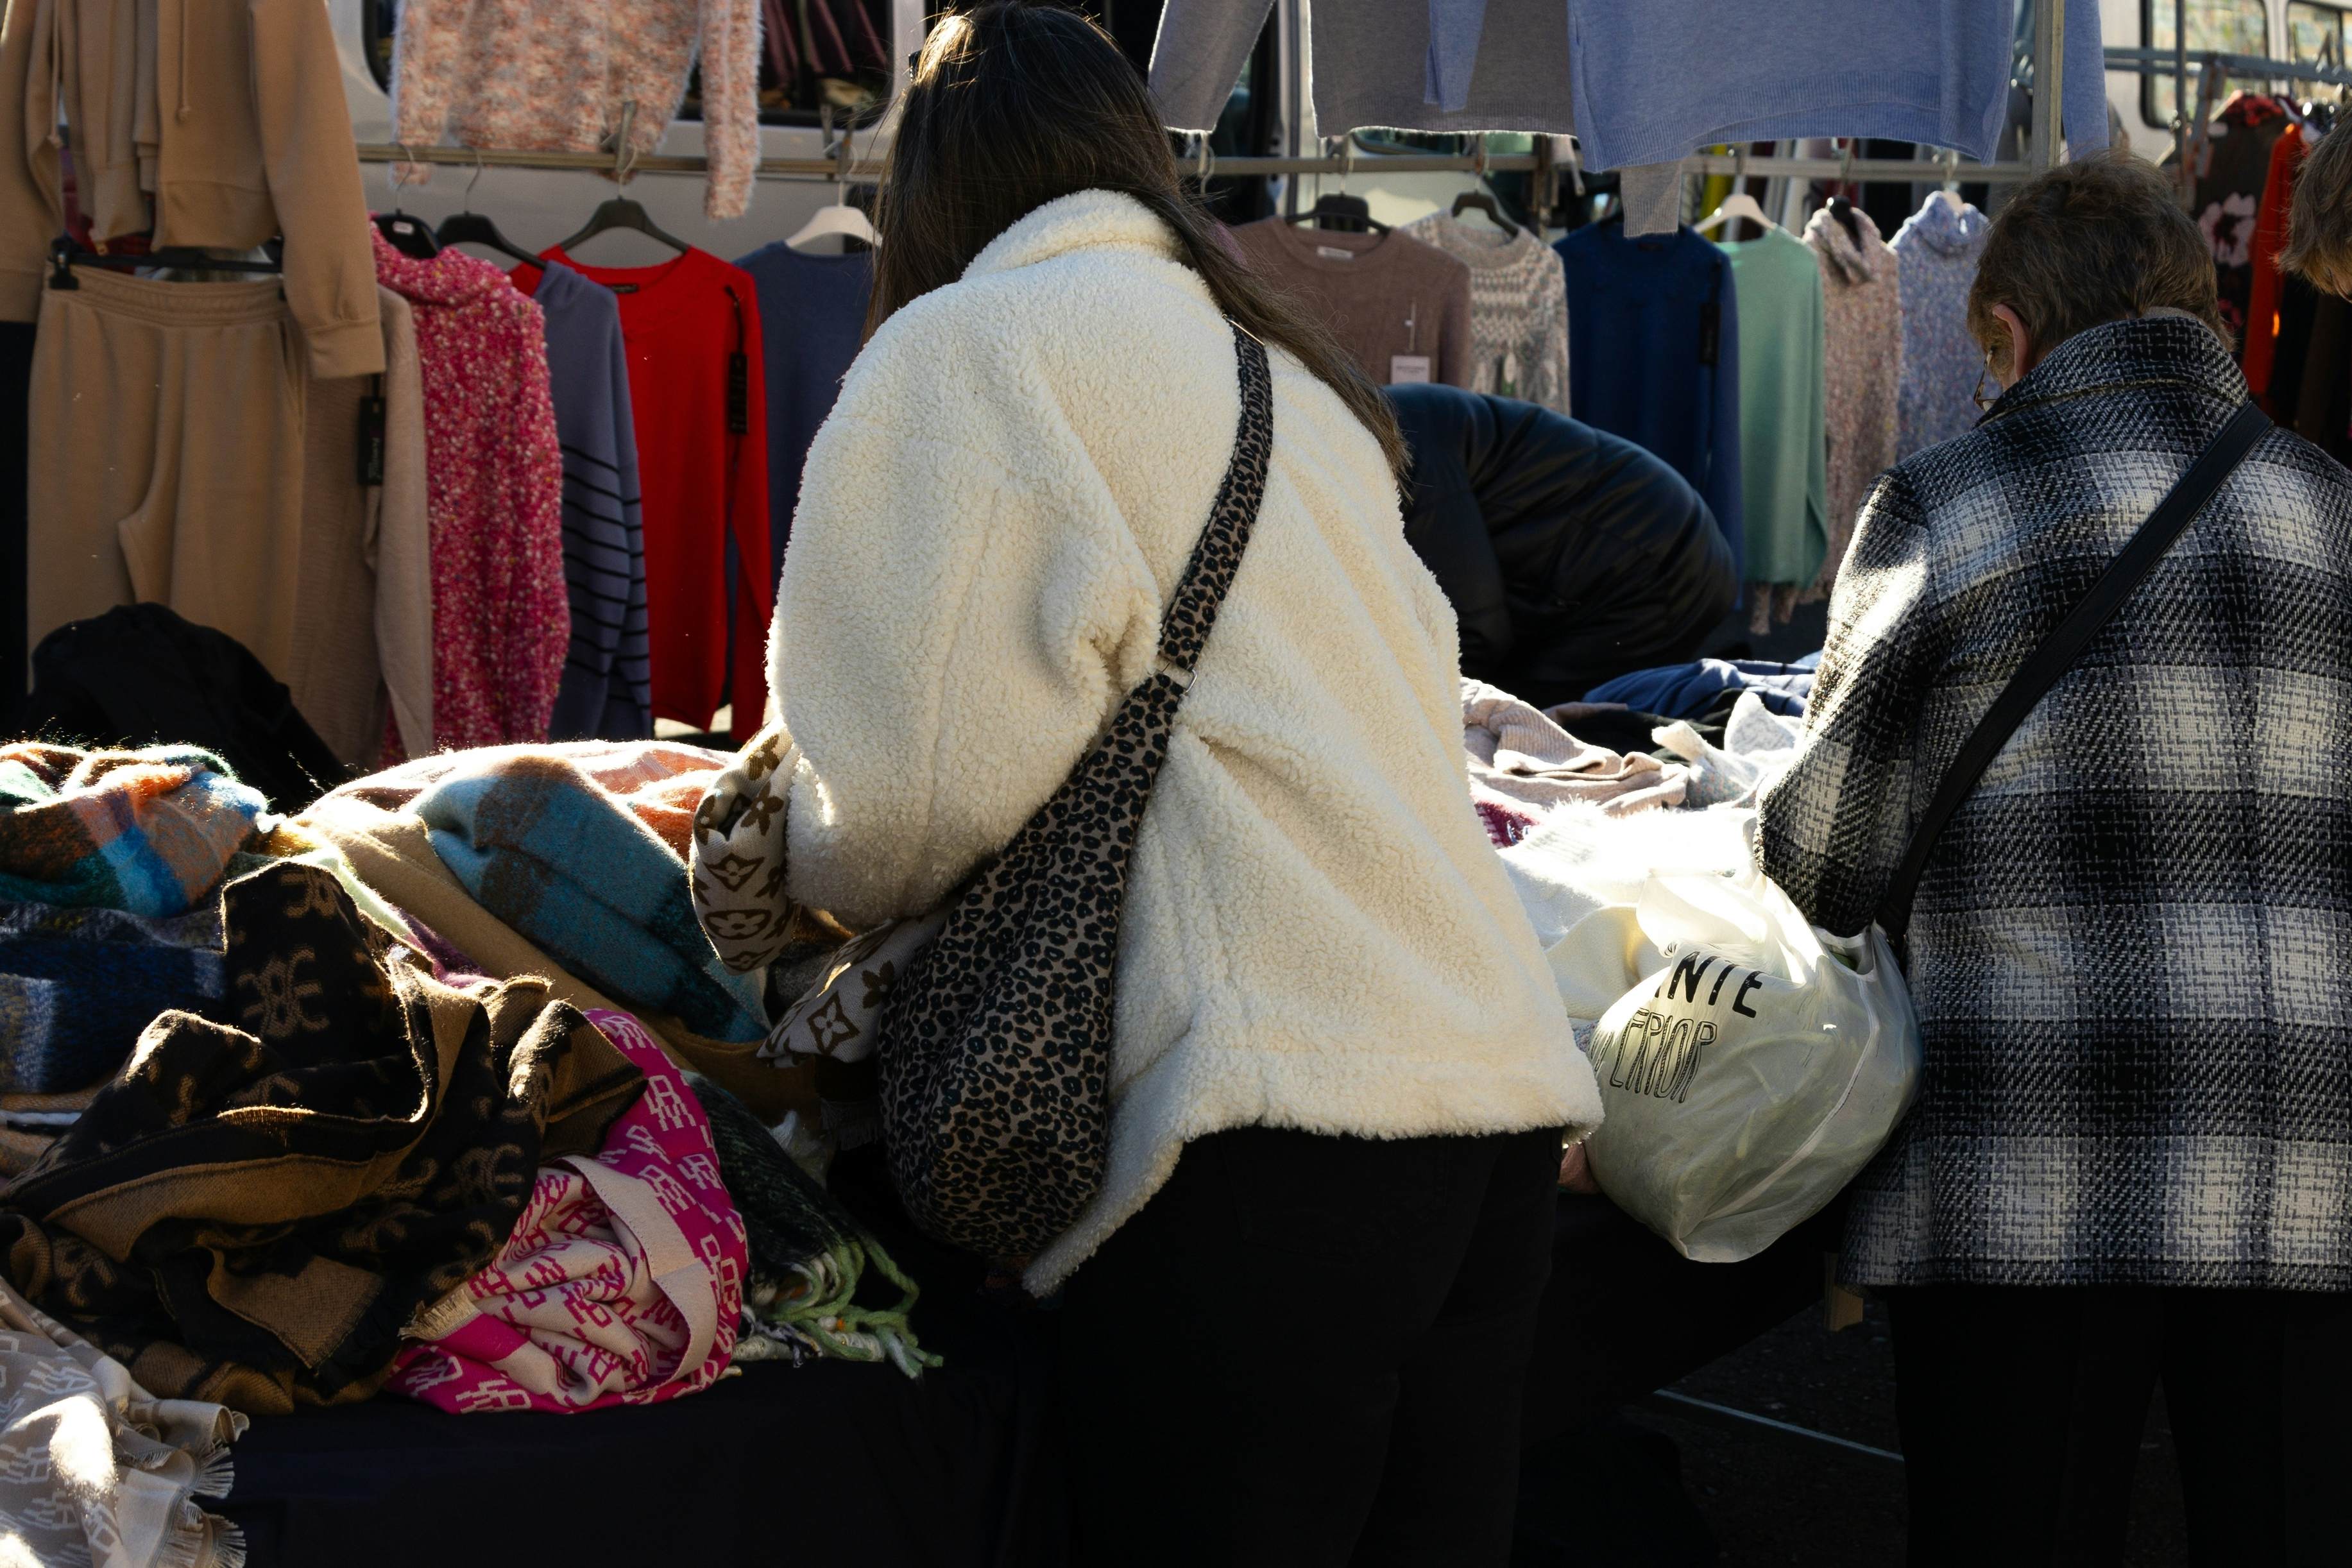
1317 934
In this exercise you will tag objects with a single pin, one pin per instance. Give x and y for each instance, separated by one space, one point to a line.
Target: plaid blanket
78 984
250 1214
562 858
149 831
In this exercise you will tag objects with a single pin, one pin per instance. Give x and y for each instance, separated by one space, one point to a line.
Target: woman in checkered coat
2132 1153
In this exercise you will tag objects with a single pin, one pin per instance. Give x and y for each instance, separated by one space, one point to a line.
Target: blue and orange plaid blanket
150 832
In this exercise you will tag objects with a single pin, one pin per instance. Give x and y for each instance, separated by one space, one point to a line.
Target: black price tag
372 439
738 393
1710 332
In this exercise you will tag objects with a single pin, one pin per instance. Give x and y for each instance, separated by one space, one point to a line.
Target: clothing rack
1216 166
2049 41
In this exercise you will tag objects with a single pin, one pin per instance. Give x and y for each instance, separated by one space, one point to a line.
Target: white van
2298 31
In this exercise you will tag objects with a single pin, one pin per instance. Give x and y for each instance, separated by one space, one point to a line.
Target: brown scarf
250 1213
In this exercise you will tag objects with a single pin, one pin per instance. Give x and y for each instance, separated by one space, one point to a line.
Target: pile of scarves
110 867
251 1212
569 862
392 1093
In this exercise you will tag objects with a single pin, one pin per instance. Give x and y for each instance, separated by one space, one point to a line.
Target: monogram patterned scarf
251 1211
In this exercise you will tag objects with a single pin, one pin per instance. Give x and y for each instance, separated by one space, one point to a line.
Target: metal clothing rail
2162 62
602 163
1364 165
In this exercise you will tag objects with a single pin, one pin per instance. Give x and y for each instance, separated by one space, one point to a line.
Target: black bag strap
2062 647
1194 610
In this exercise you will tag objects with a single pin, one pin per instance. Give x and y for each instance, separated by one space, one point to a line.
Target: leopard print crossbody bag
995 1046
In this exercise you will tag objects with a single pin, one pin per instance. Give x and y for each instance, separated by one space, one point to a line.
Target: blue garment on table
1687 690
811 322
1653 80
538 843
78 985
1654 356
606 693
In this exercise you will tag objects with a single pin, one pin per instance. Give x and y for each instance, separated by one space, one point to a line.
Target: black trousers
1309 1350
2022 1411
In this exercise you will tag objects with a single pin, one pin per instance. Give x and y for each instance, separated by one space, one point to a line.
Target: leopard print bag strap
997 1042
1184 631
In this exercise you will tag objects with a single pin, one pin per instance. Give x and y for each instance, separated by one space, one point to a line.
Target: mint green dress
1783 420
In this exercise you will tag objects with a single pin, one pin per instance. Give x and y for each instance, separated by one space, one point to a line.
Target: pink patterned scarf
622 1282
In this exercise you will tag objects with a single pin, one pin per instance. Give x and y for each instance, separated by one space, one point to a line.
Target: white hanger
1737 205
840 219
845 221
1950 192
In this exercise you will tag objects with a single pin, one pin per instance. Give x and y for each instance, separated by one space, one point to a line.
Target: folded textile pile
1517 753
78 984
569 864
149 832
250 1212
809 1258
541 845
622 1282
1692 690
1759 745
29 1124
94 1468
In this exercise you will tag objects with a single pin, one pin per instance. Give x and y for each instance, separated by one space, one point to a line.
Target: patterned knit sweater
1942 365
494 480
553 76
1519 308
1861 357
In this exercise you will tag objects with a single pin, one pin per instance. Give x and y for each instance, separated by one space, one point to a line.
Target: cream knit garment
1519 308
1317 934
552 76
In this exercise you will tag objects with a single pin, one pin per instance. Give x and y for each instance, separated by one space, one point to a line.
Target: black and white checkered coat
2132 952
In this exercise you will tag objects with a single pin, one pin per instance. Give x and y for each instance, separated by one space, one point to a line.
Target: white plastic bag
1748 1082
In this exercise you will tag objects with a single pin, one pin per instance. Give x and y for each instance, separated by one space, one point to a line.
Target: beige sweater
221 123
367 561
1317 934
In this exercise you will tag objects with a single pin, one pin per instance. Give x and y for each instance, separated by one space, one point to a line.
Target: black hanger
407 234
65 255
1479 200
476 228
467 227
1843 210
622 213
1342 215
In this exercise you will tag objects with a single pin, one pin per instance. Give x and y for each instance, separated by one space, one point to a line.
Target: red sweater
703 477
2261 349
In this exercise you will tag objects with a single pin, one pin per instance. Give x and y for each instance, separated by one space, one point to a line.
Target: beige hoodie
231 120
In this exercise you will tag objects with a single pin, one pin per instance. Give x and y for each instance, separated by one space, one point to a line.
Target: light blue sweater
1656 80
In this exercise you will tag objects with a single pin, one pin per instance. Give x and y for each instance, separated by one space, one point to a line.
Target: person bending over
1570 556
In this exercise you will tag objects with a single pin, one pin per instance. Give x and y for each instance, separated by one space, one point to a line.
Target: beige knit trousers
165 457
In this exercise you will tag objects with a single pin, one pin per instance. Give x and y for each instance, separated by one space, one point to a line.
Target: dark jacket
2128 952
1570 556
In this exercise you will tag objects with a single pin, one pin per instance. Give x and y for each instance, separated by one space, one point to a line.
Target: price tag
1404 369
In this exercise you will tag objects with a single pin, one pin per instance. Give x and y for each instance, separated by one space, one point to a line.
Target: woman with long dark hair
1296 1314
